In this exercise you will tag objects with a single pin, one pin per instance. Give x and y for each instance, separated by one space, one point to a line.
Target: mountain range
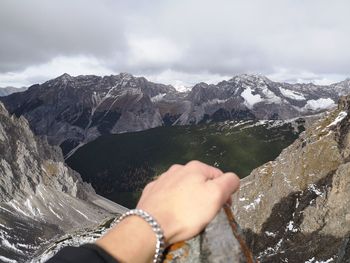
72 111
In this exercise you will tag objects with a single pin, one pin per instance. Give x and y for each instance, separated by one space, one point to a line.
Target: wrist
166 222
132 240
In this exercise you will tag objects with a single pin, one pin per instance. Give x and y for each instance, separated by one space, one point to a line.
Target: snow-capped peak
255 78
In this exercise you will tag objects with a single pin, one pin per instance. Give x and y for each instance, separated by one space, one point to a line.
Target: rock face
296 208
40 197
221 242
72 111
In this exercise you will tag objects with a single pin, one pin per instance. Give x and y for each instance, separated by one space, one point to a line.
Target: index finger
227 184
206 171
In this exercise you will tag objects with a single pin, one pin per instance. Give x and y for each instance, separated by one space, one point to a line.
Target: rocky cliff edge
40 197
296 208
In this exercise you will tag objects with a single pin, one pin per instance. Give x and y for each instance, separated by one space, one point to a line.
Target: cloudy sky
179 42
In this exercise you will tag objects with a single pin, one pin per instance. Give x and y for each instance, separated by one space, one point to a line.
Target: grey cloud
36 31
258 36
222 37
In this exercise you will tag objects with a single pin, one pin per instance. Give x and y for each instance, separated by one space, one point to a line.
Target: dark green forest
118 166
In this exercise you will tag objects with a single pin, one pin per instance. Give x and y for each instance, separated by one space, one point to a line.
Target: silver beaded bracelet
160 245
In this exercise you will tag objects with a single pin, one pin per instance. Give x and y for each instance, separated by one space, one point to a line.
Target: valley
119 166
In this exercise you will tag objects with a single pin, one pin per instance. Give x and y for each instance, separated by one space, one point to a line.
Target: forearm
132 240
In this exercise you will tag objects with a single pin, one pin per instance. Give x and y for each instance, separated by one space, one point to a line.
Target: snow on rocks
14 203
158 97
270 234
57 215
81 213
253 204
7 260
214 101
249 98
338 119
294 95
29 206
270 96
271 250
313 188
291 227
313 260
319 104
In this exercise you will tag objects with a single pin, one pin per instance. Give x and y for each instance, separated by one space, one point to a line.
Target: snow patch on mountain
271 97
250 99
339 118
158 97
320 104
214 101
7 260
291 94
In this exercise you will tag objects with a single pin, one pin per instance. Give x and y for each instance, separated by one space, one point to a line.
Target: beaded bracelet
160 245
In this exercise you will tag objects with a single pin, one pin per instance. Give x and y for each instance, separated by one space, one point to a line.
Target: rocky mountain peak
250 78
65 77
200 85
126 76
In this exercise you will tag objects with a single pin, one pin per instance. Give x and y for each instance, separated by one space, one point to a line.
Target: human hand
183 200
186 198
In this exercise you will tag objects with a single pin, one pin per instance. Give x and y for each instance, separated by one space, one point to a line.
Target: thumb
228 183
